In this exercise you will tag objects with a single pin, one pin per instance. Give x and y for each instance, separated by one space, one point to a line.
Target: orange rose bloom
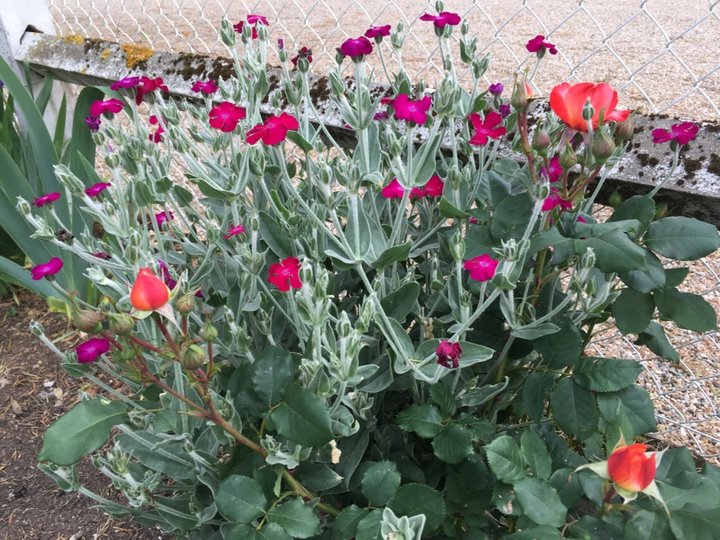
567 101
149 292
630 469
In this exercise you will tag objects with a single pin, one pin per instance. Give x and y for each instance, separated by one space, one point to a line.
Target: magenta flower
448 354
380 116
50 268
378 32
157 136
93 123
555 170
96 189
305 53
504 110
554 200
681 133
253 20
394 190
274 130
581 219
481 268
125 82
281 44
167 279
485 129
111 106
496 88
92 349
48 198
411 110
285 274
205 87
257 19
226 116
442 19
539 45
433 188
356 48
102 255
146 85
234 231
163 217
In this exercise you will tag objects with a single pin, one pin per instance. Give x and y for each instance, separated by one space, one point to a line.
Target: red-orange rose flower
567 101
630 469
149 291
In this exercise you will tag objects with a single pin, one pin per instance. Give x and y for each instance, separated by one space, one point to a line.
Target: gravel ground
616 42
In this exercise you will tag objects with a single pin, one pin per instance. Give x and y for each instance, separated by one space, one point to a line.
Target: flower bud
479 67
227 33
121 324
661 210
149 292
192 356
568 158
457 246
88 321
541 141
208 332
602 147
588 259
344 328
186 303
615 199
23 207
519 98
624 130
337 84
588 112
112 160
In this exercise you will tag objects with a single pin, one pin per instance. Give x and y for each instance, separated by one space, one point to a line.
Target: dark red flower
555 172
48 198
356 48
226 116
50 268
539 45
504 110
488 128
305 53
285 274
274 130
102 255
496 88
682 133
253 20
92 349
93 123
448 354
442 19
157 136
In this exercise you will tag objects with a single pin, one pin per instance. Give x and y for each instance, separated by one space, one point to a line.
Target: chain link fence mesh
661 56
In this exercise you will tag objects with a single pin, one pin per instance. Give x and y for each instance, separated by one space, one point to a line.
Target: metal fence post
17 18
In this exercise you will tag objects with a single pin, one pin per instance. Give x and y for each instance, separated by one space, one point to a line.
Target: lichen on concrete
136 55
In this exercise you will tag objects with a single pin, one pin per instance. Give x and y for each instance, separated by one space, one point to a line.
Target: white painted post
15 18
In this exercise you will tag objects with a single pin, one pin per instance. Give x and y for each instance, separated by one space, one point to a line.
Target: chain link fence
661 56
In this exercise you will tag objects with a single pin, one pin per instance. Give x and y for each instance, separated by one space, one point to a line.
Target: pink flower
274 130
50 268
205 87
448 354
157 136
581 219
539 45
681 133
48 198
226 116
96 189
167 278
163 217
504 110
482 268
234 231
486 129
92 349
305 53
147 86
380 116
555 171
356 48
553 201
111 106
253 20
496 89
257 19
93 123
394 190
125 82
411 110
442 19
285 274
377 32
433 188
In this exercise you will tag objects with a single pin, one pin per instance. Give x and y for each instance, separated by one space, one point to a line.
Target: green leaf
646 279
654 338
614 251
505 459
536 331
540 502
689 311
274 370
636 405
511 217
682 238
392 255
399 303
275 236
423 164
675 276
303 417
84 429
563 348
475 397
369 526
414 499
453 444
449 210
81 144
346 522
299 140
317 476
606 374
574 408
646 525
240 499
633 311
424 420
691 524
536 533
534 394
236 531
297 518
441 395
640 207
19 275
380 483
536 455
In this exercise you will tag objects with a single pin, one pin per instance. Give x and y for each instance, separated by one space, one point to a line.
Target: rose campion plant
305 349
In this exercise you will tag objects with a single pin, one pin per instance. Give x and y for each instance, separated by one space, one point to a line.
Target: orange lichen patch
106 54
136 54
74 38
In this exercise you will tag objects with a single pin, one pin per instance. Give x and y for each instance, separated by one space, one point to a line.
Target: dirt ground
34 391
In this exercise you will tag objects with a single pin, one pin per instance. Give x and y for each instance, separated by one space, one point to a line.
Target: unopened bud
192 356
88 321
344 328
588 259
661 210
588 112
541 141
602 147
121 324
227 33
519 98
208 332
257 161
457 246
624 130
186 303
615 199
568 158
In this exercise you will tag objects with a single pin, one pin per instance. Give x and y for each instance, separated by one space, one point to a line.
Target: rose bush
383 341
